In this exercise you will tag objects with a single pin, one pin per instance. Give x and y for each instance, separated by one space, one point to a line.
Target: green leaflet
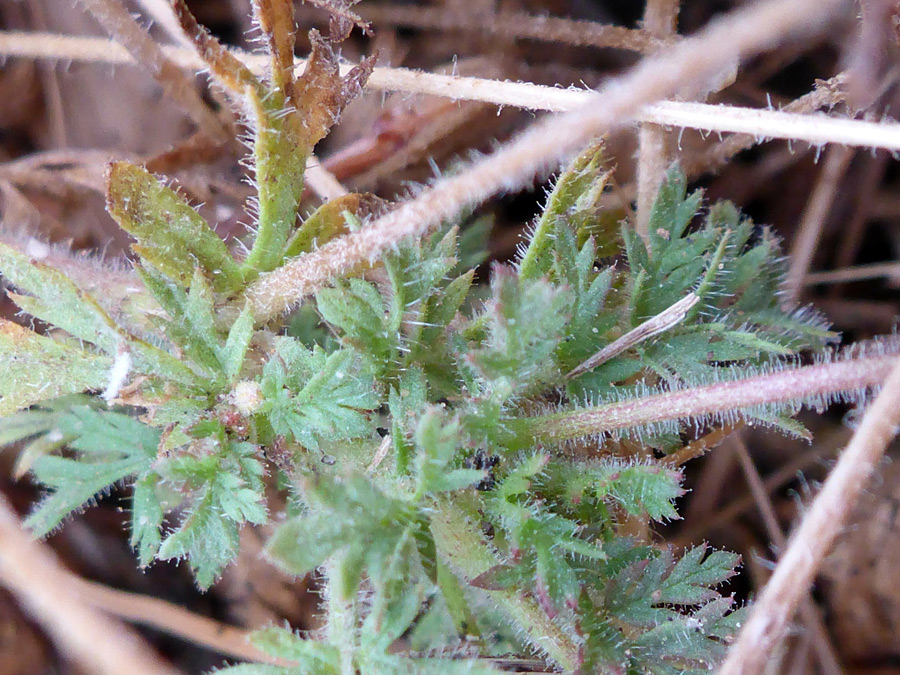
108 447
639 489
525 321
37 368
571 206
171 235
226 479
405 327
55 299
192 325
657 615
311 395
351 516
437 443
147 515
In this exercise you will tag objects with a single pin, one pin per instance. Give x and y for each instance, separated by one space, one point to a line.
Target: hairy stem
340 611
793 385
466 552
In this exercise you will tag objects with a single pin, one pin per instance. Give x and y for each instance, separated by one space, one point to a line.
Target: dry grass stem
661 20
380 454
701 446
693 62
837 160
823 649
102 645
760 124
890 270
518 25
720 517
322 181
169 618
163 16
813 539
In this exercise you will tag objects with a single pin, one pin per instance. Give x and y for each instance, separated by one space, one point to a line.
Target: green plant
474 471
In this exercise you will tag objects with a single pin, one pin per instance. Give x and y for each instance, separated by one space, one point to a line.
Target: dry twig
120 24
817 210
172 619
520 26
31 572
660 19
813 539
824 650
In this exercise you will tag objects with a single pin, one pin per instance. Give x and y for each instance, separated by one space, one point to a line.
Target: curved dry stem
172 619
821 524
101 644
519 26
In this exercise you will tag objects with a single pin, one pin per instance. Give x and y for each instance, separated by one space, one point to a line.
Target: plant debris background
60 124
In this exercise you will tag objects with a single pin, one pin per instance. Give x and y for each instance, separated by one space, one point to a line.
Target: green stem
280 168
341 612
466 552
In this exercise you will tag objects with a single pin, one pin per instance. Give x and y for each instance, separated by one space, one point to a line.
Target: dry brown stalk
520 26
120 24
722 516
322 181
52 93
661 20
102 645
837 160
161 13
889 270
813 539
172 619
693 62
824 650
699 447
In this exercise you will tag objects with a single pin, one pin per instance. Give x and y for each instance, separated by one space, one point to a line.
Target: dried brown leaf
230 71
276 19
321 93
